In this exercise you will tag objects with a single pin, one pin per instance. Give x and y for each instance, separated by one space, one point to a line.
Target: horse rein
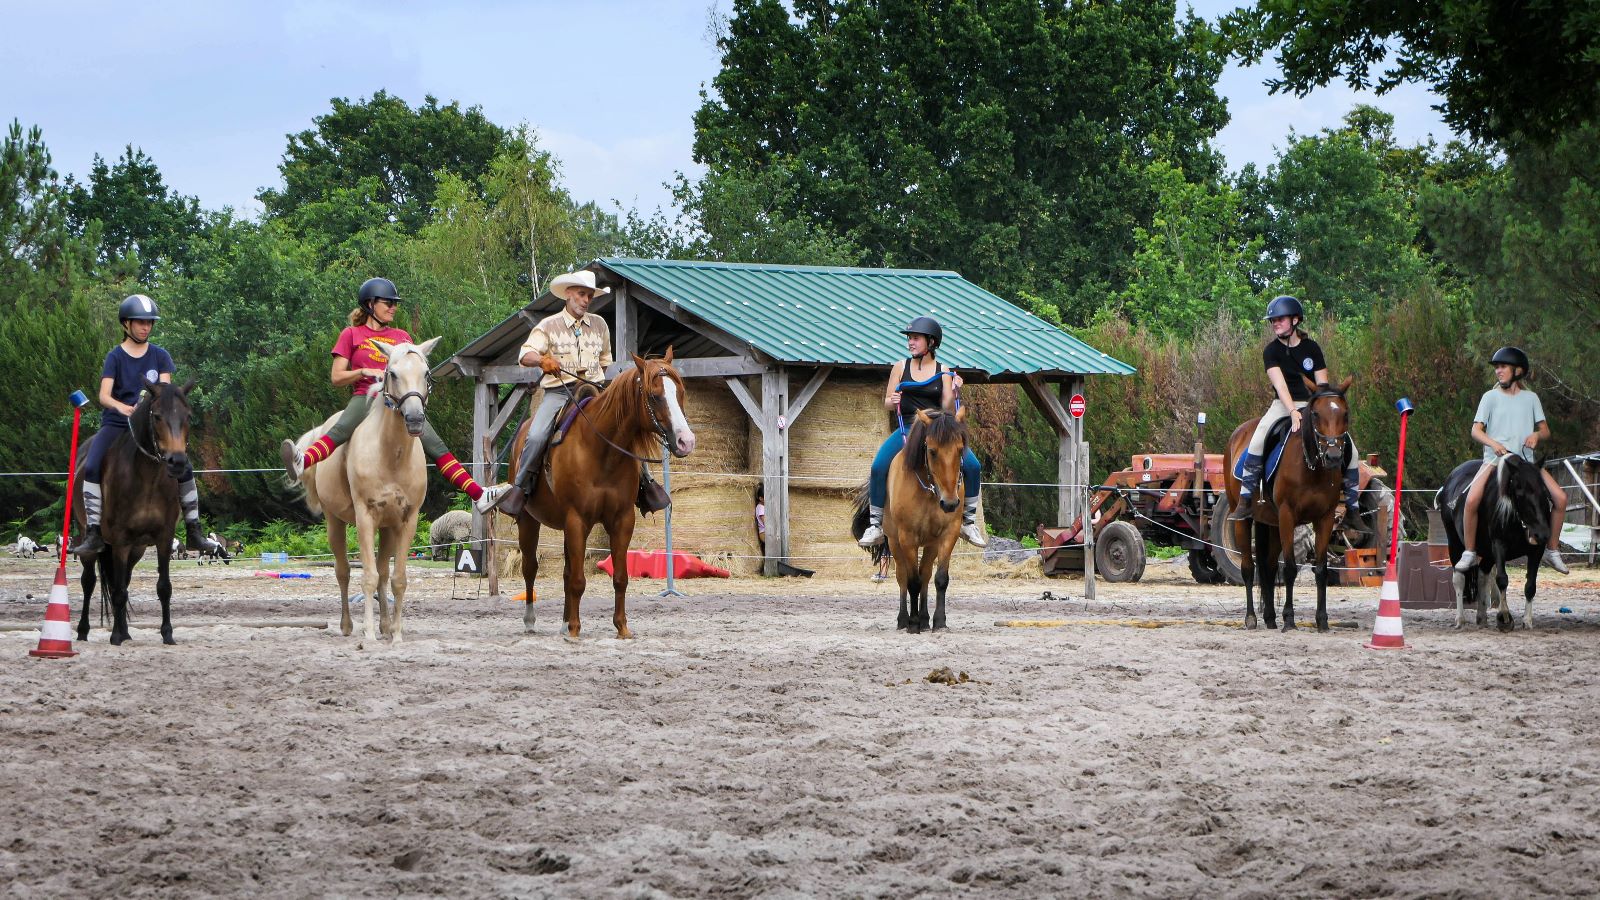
150 427
1322 447
661 434
393 402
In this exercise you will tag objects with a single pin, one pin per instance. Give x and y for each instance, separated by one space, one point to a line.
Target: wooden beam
775 466
797 404
627 330
717 366
1051 408
483 410
507 411
510 375
751 407
695 323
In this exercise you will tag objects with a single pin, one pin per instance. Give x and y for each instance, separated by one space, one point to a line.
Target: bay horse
923 515
377 482
592 477
139 504
1513 521
1308 488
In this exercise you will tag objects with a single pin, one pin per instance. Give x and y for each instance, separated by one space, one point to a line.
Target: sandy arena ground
779 738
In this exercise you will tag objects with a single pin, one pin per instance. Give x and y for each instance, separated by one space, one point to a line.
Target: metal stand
666 484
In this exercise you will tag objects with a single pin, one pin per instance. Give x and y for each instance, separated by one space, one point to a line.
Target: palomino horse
139 506
592 477
377 482
1513 521
924 512
1308 489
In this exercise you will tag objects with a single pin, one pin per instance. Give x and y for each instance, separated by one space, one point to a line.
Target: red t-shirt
366 348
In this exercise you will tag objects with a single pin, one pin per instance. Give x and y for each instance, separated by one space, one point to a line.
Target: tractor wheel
1203 566
1119 553
1226 552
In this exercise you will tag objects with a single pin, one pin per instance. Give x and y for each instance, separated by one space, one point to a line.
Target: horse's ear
1344 386
187 387
1313 385
924 418
427 346
961 414
638 361
668 357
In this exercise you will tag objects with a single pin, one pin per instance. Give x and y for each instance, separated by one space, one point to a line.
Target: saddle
1277 439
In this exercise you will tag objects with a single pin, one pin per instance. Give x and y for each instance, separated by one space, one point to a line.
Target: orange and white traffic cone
1387 631
55 638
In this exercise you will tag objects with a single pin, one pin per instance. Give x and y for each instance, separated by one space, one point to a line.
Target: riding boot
1249 483
91 541
970 532
1352 498
189 499
874 533
194 538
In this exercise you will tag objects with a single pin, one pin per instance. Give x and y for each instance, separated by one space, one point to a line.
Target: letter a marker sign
470 562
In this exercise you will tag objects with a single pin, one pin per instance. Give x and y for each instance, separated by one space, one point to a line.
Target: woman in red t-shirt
359 358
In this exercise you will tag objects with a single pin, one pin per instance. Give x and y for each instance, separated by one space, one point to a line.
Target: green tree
1524 237
379 157
1506 71
1006 140
1336 214
1193 261
139 216
33 234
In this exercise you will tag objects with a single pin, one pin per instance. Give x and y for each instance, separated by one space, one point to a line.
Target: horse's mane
621 401
943 428
1505 510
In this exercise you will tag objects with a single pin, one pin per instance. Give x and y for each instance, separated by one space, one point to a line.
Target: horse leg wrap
189 499
1352 494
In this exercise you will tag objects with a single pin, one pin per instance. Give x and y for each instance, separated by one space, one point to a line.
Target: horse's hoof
117 639
1250 623
1322 628
1290 626
167 639
624 634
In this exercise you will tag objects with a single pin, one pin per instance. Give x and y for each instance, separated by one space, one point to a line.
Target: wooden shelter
785 368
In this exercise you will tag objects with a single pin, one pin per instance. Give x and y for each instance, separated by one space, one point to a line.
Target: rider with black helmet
359 358
1290 357
1510 419
916 383
129 366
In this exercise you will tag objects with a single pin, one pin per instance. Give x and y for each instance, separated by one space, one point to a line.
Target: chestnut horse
377 482
924 513
140 508
1309 488
592 477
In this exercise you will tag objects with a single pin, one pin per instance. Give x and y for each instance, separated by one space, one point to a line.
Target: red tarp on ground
653 564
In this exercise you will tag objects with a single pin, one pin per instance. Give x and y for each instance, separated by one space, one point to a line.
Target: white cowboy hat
582 278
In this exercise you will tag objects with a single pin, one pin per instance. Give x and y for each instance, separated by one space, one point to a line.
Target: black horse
140 508
1513 522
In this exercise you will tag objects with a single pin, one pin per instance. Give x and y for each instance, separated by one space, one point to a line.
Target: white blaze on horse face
683 438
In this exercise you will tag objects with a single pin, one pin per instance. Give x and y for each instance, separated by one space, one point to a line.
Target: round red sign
1076 406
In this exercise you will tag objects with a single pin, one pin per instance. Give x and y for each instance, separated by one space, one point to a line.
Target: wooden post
775 464
1071 471
627 336
483 397
489 554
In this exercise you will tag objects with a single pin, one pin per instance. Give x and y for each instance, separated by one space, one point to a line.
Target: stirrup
1242 513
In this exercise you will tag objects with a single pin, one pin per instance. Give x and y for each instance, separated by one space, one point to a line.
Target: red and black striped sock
319 451
455 473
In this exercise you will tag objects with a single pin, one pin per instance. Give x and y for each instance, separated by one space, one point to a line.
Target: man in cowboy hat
581 342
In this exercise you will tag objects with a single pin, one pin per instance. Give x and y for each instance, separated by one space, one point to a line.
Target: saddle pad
570 416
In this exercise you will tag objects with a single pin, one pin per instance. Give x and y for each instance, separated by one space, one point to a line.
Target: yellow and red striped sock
319 451
455 473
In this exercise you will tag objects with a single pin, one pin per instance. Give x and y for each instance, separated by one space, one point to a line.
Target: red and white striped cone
1387 631
55 638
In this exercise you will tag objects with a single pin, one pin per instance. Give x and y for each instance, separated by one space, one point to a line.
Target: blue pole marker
1404 405
78 398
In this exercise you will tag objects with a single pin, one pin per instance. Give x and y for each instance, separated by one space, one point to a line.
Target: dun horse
592 477
1308 488
1513 521
377 482
923 518
140 508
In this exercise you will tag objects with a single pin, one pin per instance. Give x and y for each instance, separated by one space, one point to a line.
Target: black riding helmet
375 289
1511 356
1284 305
138 307
928 327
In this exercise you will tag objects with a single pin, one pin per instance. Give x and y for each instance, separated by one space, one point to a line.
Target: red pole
1405 407
72 473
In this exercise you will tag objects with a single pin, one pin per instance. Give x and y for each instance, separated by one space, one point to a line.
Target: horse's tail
861 518
306 486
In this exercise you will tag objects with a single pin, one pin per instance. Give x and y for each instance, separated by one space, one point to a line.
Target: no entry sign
1076 406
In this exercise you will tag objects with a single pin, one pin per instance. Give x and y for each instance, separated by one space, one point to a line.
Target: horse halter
662 434
1322 448
393 402
159 455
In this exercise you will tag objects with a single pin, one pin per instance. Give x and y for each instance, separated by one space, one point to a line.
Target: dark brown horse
592 477
1308 488
923 518
139 507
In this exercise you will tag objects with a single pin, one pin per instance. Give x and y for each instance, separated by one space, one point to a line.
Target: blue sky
210 90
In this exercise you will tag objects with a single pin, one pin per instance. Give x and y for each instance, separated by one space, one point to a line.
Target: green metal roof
840 316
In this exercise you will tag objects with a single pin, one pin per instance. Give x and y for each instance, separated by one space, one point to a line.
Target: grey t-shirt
1509 419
